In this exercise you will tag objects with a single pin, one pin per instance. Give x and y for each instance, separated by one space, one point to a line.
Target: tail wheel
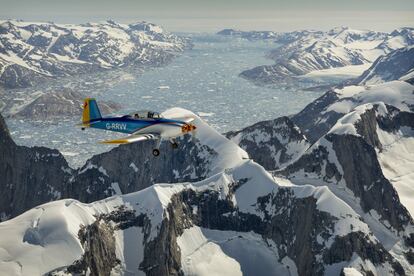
155 152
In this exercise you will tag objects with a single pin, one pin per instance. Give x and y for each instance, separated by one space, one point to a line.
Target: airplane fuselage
162 126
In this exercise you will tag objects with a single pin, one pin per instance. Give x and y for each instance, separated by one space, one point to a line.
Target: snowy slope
198 227
33 51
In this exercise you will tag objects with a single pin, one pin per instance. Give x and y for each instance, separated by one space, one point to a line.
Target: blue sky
213 15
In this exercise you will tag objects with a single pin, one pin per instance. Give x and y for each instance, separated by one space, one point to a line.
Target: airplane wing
185 119
132 139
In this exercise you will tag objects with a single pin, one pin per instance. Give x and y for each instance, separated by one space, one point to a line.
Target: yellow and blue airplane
140 125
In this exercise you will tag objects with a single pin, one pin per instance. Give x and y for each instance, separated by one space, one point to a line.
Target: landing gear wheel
174 145
155 152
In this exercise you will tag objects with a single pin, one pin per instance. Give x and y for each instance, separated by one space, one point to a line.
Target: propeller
187 128
194 135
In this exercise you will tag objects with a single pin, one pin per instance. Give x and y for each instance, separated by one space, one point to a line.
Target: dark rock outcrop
29 176
367 128
99 258
343 248
363 176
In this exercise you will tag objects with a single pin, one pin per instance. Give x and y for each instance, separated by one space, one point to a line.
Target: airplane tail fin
90 111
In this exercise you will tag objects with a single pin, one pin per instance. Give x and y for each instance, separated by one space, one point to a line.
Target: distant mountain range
307 51
330 194
31 52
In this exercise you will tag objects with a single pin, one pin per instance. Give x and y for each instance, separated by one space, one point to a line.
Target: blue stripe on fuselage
128 125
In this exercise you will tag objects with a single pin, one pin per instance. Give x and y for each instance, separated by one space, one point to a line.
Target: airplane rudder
94 112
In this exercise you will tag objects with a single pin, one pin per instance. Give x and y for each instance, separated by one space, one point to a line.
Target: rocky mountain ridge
175 228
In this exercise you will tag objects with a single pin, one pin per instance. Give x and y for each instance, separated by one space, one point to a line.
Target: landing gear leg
156 151
174 143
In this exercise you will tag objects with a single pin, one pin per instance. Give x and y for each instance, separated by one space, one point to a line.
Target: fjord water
204 80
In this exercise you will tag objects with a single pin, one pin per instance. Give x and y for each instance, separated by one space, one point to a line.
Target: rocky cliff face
99 258
273 144
29 176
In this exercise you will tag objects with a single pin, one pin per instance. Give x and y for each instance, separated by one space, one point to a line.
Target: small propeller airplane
140 125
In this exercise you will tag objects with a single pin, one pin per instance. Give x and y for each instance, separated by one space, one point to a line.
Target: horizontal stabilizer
132 139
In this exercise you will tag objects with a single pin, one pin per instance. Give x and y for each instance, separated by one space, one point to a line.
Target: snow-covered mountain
339 47
398 64
332 207
31 52
238 219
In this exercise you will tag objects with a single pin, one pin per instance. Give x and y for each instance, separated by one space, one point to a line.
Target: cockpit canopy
145 114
